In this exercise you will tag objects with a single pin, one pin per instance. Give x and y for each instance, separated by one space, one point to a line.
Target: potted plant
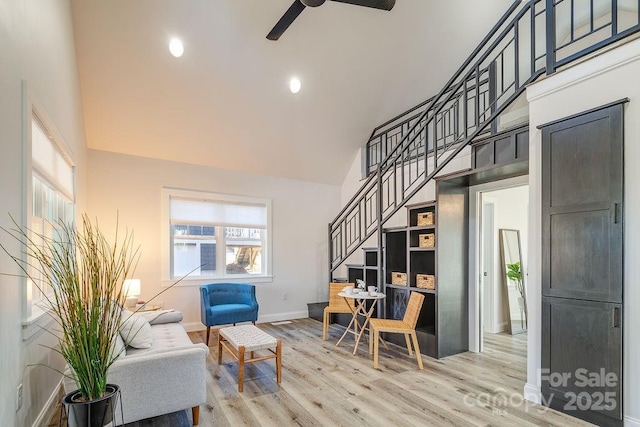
84 274
515 273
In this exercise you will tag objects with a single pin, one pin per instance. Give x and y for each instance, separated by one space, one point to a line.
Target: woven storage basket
427 240
425 281
425 218
398 278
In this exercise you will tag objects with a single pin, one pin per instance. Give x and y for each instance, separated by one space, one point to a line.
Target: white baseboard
532 393
198 326
283 316
49 408
631 422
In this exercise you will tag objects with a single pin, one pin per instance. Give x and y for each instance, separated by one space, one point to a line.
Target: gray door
582 207
582 190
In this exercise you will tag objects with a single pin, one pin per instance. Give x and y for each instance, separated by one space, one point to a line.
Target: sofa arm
160 382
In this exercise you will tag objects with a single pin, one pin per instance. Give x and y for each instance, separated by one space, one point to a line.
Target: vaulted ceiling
226 103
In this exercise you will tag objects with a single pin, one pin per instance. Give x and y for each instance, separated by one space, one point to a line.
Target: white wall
36 41
601 80
131 187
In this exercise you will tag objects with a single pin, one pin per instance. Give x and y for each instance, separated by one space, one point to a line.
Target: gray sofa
167 377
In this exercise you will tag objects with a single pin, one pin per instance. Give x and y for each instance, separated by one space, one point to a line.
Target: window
52 196
217 235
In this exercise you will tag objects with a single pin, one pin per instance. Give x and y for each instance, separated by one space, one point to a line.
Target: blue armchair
227 303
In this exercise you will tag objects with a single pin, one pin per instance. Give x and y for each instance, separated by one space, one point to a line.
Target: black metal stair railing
462 109
515 52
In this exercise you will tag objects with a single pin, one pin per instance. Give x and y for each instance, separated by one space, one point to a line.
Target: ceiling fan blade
376 4
289 16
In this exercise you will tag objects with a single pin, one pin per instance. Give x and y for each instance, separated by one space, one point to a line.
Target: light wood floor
325 385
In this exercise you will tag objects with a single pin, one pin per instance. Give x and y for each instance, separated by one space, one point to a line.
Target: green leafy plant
85 273
514 273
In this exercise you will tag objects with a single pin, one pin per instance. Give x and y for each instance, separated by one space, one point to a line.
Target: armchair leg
195 413
208 330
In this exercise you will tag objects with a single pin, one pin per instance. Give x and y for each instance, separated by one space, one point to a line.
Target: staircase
532 38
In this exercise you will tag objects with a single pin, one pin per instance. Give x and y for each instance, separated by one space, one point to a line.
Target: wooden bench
237 340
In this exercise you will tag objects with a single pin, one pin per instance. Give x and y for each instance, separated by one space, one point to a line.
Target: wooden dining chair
337 304
406 326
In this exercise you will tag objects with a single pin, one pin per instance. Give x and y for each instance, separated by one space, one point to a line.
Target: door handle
616 317
616 213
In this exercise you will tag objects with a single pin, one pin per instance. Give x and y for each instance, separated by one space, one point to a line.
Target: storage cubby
427 320
395 253
416 211
370 257
421 263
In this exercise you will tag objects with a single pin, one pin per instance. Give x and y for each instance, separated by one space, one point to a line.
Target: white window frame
167 248
35 312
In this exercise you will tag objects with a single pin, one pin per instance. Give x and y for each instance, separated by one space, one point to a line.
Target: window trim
165 234
36 313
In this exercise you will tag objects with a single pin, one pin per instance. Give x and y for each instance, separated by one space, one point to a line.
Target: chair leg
279 361
195 414
417 349
208 330
325 322
376 347
372 334
406 338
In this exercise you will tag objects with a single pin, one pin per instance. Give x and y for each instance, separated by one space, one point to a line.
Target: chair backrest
336 301
228 293
413 309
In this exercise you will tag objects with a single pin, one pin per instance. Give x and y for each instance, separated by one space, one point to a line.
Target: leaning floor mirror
513 279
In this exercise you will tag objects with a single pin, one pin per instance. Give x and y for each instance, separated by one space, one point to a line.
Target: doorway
500 205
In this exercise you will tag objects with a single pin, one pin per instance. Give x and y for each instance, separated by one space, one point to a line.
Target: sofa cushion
135 330
118 347
165 336
162 316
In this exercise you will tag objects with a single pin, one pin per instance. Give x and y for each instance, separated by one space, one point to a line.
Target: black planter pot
94 413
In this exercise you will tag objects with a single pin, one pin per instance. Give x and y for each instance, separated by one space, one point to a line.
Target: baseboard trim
301 314
631 422
532 393
49 408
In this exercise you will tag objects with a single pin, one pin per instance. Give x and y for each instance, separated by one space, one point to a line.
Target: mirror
513 279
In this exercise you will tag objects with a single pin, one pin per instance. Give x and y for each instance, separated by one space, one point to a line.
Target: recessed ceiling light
176 48
294 85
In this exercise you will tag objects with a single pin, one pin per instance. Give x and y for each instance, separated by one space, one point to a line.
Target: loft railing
577 32
412 148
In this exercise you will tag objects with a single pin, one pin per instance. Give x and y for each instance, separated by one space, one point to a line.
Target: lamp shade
132 287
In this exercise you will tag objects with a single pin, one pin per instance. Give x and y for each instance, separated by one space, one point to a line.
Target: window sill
41 317
199 281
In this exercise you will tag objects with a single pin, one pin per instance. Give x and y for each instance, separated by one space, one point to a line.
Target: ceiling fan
298 6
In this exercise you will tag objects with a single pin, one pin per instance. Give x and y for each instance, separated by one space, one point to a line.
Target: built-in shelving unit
403 253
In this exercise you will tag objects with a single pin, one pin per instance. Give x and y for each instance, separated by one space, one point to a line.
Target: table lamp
132 292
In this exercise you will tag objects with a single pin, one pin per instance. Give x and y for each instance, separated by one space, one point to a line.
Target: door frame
487 309
475 268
